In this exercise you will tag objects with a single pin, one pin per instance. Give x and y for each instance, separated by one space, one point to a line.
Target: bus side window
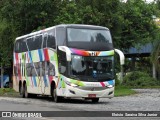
62 62
43 68
23 47
60 36
30 43
28 68
35 42
33 71
51 42
51 69
51 39
45 38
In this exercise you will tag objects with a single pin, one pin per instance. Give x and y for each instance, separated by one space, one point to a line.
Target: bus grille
92 88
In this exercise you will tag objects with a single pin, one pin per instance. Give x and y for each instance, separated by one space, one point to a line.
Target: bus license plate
91 95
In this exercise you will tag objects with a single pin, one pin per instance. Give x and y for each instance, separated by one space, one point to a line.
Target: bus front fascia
119 52
68 54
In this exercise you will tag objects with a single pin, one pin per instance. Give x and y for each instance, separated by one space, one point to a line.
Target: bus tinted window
20 46
45 38
51 39
89 35
34 43
60 36
39 69
23 47
62 62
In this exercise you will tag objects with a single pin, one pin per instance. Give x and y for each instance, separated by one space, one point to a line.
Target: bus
65 61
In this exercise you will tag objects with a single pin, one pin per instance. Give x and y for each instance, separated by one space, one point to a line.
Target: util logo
93 53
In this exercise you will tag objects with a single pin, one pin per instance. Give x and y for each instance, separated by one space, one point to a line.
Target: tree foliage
138 26
131 23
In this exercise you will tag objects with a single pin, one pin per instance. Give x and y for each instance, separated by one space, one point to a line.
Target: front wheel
95 100
55 96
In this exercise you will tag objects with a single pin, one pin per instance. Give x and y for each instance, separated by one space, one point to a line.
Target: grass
147 87
8 92
123 91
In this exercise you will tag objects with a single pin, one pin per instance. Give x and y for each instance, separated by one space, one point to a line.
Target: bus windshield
88 35
92 69
89 39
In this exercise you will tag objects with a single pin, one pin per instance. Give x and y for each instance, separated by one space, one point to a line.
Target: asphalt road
145 100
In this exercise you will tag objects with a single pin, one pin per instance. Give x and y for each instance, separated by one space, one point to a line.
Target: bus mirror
121 55
67 51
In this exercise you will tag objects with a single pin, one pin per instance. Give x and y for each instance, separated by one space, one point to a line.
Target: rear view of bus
69 61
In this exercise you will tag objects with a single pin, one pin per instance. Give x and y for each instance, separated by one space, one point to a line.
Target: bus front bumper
76 92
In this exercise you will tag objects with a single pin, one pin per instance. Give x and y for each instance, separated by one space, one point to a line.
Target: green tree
155 56
130 23
19 17
71 12
138 25
28 15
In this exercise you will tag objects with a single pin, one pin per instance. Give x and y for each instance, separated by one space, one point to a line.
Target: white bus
65 61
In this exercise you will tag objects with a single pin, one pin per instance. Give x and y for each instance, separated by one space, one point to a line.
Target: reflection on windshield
92 67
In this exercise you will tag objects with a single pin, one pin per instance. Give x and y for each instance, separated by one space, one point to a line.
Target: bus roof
62 25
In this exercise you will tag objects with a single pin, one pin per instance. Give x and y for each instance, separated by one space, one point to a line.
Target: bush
139 79
117 82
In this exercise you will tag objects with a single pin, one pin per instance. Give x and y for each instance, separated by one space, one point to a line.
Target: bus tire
95 100
55 96
21 91
26 94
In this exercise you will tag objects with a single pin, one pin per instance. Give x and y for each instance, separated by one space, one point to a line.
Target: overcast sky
148 1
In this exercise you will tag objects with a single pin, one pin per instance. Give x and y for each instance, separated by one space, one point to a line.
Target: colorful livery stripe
46 55
91 53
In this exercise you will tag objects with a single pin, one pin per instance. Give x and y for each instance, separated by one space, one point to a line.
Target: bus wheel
55 97
26 94
22 91
95 100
